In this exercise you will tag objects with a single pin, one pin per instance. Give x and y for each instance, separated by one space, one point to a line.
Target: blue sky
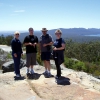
22 14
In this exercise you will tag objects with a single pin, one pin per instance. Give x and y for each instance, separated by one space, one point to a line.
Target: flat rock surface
71 86
5 48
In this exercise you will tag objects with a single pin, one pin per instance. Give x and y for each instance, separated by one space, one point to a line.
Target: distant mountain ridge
76 34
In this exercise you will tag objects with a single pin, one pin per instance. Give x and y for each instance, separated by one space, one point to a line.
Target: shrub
24 56
75 64
9 56
39 59
80 66
96 73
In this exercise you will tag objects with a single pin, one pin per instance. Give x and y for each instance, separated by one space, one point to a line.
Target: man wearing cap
16 53
31 42
45 49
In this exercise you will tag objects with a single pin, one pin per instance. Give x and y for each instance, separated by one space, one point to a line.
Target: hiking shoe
49 74
46 72
18 75
57 77
32 71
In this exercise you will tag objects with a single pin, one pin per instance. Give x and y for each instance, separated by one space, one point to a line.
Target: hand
34 44
44 45
55 48
30 44
15 55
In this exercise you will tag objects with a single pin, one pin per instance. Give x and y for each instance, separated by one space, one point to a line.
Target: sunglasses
30 30
17 34
57 33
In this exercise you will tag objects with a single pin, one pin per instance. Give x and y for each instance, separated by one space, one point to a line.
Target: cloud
18 11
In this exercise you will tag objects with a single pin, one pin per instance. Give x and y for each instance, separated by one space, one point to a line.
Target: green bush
39 59
68 63
24 56
9 56
75 64
96 73
80 66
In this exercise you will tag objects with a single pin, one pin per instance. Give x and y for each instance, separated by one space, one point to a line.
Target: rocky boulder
9 66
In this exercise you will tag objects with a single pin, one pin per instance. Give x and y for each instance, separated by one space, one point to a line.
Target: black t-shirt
58 43
31 39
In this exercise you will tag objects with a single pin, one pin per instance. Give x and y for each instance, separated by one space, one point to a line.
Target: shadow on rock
34 76
63 81
19 78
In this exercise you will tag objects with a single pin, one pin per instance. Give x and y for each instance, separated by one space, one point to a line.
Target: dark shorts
45 56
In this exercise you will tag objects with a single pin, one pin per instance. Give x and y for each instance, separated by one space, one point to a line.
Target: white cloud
18 11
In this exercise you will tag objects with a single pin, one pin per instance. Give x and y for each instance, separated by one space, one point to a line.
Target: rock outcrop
71 86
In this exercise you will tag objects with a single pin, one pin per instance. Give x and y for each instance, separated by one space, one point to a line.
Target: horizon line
52 29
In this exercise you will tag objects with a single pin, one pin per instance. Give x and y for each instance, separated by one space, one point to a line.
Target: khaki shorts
30 59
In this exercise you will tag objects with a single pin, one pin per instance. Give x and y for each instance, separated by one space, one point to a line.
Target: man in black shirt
31 42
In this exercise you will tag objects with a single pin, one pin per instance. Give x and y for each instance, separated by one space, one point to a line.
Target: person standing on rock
16 47
31 42
58 51
45 49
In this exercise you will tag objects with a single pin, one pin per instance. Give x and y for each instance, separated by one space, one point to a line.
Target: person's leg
45 64
43 56
18 62
48 62
16 65
31 70
28 61
48 66
58 68
33 62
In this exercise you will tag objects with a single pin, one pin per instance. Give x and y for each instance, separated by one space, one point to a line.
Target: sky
52 14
